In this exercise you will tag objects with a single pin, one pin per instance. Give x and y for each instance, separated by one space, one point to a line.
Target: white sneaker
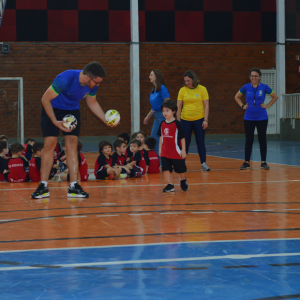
204 167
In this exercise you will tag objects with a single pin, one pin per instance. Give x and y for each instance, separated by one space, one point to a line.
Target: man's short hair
171 104
150 142
125 136
137 142
16 147
118 143
102 144
79 146
93 70
3 145
38 146
3 137
29 140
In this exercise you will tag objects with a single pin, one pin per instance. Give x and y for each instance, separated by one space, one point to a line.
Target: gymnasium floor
234 235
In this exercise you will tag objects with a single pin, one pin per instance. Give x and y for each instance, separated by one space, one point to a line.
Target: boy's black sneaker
41 192
183 184
245 166
169 188
264 166
77 192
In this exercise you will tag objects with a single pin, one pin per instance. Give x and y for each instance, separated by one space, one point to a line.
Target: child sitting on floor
3 152
16 165
103 165
151 157
83 169
36 163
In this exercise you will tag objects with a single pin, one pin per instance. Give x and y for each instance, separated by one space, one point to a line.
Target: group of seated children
134 160
22 163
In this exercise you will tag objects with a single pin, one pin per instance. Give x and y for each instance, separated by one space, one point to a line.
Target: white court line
99 216
108 203
145 214
147 261
158 185
291 209
70 217
8 220
152 244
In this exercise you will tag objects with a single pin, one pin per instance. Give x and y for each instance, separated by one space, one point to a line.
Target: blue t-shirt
66 85
255 97
157 98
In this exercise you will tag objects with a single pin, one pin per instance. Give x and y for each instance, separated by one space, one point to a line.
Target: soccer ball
112 117
71 122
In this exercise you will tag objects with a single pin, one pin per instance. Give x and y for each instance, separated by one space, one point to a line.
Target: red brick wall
292 78
39 64
222 69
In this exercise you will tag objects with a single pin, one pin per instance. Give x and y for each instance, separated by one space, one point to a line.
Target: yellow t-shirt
192 108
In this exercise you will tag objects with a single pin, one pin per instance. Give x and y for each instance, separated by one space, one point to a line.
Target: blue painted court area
244 270
280 152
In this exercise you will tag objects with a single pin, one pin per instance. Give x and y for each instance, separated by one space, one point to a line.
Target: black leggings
262 137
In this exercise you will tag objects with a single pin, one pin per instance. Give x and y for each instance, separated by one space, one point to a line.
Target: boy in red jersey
35 163
5 138
3 152
104 163
119 160
124 136
136 157
151 158
172 146
83 169
16 165
27 152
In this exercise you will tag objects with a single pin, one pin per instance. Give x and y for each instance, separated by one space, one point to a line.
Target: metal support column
135 67
280 60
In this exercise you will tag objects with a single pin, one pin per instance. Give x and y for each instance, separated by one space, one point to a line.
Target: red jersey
25 149
2 168
171 134
101 162
34 169
143 162
56 152
119 160
16 168
83 167
137 157
152 161
61 155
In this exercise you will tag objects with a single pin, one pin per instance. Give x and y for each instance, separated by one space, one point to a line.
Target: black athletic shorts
102 174
178 164
49 129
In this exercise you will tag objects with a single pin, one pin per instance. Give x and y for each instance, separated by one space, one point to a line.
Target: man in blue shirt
60 99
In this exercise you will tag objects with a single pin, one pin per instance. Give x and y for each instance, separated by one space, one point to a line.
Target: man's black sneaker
264 166
183 184
169 188
245 166
41 192
77 192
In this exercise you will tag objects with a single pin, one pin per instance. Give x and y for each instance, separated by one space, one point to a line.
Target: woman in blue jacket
158 95
255 115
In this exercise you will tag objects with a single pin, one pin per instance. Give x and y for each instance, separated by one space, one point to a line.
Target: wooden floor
224 204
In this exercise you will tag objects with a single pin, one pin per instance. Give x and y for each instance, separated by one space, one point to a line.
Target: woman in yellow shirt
193 111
